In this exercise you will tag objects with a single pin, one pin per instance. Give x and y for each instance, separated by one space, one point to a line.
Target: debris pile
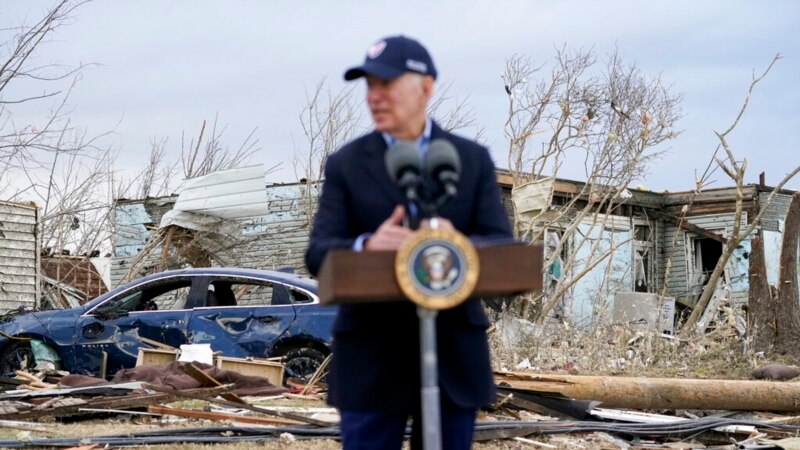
532 410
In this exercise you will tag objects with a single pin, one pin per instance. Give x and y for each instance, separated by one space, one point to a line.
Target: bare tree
453 113
329 120
735 170
21 143
173 246
52 162
610 118
209 154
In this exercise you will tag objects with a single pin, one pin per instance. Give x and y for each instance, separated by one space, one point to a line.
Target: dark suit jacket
376 346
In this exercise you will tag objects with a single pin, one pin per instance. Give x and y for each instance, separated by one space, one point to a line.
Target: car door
242 317
158 310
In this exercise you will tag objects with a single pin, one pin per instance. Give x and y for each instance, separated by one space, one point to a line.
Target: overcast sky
164 66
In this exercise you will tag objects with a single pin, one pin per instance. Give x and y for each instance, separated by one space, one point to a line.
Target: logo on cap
417 66
376 50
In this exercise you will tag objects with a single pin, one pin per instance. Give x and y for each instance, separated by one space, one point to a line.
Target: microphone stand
429 358
429 362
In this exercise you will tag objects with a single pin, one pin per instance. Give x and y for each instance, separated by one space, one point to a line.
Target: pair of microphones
440 164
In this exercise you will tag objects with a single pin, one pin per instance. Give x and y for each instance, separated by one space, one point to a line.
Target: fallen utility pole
661 393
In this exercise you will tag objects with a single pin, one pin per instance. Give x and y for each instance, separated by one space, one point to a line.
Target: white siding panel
19 252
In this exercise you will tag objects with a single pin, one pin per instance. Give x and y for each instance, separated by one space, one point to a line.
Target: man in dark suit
375 373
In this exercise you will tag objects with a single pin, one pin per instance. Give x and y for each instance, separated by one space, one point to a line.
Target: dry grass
617 350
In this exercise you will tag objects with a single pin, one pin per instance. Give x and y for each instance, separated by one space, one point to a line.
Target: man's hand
442 224
391 234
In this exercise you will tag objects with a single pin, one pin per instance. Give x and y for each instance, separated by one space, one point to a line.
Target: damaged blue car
239 312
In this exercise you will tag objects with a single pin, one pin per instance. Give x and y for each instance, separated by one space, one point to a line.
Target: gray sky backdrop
164 66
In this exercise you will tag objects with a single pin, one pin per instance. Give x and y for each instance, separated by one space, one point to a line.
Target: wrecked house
19 255
652 243
223 219
640 254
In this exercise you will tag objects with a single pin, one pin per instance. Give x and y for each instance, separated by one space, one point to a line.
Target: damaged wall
279 238
19 255
687 274
593 295
773 217
772 226
134 221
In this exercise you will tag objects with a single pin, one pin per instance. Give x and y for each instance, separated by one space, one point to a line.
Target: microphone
443 165
404 167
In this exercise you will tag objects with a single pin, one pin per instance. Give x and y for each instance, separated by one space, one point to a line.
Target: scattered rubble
533 410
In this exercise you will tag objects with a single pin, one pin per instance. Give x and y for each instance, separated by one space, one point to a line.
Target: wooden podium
506 269
348 277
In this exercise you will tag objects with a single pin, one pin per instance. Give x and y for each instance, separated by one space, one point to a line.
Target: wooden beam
155 344
165 248
247 406
683 223
115 402
221 416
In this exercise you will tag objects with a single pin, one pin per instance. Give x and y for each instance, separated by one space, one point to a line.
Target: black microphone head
402 158
442 156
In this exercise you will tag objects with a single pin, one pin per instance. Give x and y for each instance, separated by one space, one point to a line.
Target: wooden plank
116 402
19 236
7 206
156 344
272 412
103 364
20 270
221 416
683 223
27 254
9 245
11 280
506 269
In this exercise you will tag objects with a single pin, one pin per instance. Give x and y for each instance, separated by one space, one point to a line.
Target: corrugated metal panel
227 194
19 253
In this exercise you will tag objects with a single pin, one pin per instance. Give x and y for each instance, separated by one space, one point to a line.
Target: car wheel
17 356
302 363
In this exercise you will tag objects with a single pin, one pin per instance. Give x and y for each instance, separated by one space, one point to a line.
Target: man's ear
427 87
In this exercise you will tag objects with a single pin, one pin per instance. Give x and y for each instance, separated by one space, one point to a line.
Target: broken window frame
646 251
692 242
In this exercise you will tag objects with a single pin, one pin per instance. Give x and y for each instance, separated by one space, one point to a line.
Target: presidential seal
437 269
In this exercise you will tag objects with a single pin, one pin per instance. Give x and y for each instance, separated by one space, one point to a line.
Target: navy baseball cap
391 57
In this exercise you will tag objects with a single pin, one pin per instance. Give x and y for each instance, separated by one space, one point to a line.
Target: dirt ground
138 424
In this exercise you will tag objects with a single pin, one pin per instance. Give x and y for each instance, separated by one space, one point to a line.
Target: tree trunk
788 304
760 304
693 324
661 393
